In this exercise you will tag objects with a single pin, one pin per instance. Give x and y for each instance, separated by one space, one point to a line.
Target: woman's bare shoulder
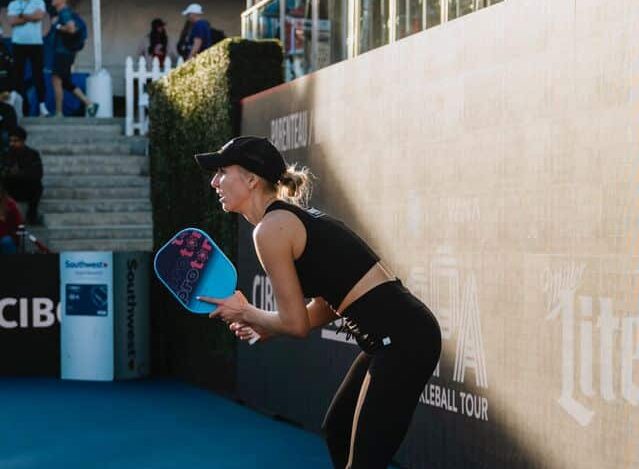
278 226
275 222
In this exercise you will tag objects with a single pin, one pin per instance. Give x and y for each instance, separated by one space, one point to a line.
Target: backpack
75 42
216 36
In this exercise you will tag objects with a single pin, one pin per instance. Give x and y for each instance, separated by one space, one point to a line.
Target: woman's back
334 259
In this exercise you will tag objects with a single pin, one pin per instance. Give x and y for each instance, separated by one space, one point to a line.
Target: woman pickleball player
307 254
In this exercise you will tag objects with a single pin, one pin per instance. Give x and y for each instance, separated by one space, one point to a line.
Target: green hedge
194 109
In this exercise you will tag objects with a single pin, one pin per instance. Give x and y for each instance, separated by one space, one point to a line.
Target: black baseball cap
257 154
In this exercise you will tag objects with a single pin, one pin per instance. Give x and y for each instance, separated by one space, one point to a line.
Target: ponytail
295 186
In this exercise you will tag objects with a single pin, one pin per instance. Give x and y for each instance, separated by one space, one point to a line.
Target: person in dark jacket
158 40
8 121
23 173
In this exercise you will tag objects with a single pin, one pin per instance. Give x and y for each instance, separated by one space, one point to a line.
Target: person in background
8 120
200 35
13 99
308 254
65 27
8 94
216 35
10 219
7 68
183 46
156 43
25 18
23 173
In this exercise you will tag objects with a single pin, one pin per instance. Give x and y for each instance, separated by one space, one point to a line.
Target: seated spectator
10 219
8 122
13 99
23 173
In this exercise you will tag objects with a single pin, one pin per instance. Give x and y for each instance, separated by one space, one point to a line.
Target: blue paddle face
191 265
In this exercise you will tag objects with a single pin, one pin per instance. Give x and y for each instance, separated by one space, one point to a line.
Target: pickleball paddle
189 265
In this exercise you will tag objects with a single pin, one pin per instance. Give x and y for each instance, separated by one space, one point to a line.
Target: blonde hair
295 185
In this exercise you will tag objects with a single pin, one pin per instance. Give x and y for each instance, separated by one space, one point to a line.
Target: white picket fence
141 77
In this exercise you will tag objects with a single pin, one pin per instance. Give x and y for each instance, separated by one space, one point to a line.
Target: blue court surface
50 423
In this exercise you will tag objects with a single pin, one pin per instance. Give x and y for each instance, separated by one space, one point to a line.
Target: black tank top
334 258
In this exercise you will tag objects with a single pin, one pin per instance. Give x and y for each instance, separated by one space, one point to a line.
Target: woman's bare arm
320 313
273 238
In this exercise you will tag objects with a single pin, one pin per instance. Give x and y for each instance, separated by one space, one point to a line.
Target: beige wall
125 23
493 163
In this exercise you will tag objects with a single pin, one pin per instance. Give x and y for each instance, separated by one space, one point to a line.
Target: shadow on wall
460 422
456 425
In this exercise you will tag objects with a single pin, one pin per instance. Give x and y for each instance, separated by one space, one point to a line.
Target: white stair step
114 219
94 206
49 130
94 232
70 121
95 181
98 164
104 165
111 147
101 245
42 140
94 158
92 193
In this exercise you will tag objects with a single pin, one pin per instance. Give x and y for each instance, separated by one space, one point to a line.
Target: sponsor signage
131 303
105 329
86 300
87 335
29 315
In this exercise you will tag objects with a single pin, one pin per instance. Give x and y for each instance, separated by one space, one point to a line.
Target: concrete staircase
96 185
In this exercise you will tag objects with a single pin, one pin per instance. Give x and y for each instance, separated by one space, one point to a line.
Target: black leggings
372 409
34 53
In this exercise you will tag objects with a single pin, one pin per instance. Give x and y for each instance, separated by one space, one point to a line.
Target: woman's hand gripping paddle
191 265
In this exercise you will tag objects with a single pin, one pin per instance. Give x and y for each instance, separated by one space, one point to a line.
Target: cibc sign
28 312
30 315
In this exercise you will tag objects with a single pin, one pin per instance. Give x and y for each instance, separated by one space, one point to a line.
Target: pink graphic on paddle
196 247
